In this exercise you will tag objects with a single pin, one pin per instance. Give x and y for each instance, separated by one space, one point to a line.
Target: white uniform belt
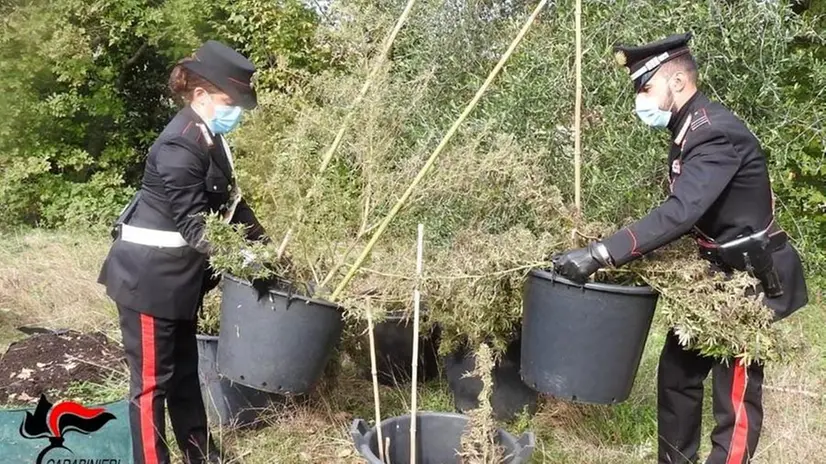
151 237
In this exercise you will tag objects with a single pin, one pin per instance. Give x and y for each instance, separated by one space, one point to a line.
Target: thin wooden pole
328 156
578 114
417 299
375 372
387 449
433 156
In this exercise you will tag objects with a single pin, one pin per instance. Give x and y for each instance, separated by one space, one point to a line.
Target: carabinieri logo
53 421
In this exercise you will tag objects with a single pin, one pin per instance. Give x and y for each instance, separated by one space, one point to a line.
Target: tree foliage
83 84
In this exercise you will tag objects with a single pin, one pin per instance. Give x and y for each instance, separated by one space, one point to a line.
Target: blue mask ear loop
202 114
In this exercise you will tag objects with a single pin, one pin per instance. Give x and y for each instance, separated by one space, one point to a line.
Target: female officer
156 271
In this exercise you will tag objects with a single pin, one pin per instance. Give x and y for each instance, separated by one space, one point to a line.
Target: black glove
211 280
275 281
577 265
263 286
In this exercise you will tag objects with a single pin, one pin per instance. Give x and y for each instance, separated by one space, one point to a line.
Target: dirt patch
49 363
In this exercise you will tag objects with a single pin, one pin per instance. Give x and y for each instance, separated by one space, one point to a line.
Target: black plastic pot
438 437
394 351
280 344
510 395
228 403
583 343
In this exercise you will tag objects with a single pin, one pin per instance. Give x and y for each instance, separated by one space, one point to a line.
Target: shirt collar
678 120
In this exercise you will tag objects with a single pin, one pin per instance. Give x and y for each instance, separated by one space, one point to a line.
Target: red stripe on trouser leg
148 381
739 438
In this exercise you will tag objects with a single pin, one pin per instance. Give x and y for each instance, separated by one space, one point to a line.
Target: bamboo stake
387 449
417 298
433 156
375 373
578 114
337 141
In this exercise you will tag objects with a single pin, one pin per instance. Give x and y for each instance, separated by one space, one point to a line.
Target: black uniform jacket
720 187
187 173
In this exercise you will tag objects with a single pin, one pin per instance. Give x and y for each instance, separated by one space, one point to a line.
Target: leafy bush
278 36
493 205
83 87
91 102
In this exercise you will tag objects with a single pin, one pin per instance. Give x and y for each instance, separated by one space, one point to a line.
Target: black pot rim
437 414
447 415
291 296
643 290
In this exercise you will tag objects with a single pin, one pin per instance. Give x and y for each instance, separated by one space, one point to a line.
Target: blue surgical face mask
226 118
649 111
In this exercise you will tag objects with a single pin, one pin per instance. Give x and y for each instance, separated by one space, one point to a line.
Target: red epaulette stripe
634 251
238 82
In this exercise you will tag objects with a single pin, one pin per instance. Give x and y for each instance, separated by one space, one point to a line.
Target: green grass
114 388
9 321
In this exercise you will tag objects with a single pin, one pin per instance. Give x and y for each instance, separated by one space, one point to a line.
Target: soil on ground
47 363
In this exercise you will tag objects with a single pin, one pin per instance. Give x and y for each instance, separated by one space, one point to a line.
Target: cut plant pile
496 204
711 311
49 363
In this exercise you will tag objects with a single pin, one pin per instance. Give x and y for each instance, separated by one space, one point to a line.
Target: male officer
719 192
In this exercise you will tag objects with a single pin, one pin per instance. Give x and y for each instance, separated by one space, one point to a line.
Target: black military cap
643 61
226 69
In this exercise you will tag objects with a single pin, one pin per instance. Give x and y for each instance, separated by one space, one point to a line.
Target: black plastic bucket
228 403
280 344
438 437
394 351
583 343
510 395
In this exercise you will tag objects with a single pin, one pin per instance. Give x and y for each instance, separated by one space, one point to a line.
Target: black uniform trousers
163 363
737 404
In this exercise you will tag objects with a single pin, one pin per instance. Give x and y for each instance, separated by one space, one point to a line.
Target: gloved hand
279 272
263 286
577 265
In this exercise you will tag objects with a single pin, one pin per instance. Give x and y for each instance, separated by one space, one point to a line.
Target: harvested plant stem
429 164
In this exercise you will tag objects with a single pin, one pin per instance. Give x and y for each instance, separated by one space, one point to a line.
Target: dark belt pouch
752 254
125 215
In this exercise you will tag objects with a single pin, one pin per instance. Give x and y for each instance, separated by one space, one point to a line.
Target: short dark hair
684 63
